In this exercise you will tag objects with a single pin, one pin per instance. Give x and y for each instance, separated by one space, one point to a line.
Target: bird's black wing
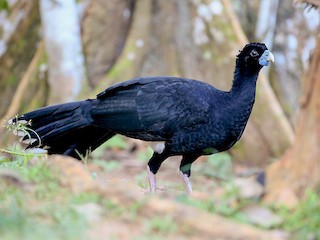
153 108
129 84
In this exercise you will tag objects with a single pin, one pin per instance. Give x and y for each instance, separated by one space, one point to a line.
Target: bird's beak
270 57
266 57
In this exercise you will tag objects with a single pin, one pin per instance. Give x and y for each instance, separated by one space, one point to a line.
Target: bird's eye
254 53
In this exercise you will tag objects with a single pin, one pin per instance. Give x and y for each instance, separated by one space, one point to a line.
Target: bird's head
255 56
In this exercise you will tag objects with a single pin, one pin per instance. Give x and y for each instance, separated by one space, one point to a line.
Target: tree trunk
299 168
103 37
18 45
61 28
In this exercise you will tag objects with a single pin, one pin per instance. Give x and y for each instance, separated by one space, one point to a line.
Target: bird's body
188 115
193 118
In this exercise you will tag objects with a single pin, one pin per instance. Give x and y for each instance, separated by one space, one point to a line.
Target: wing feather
153 108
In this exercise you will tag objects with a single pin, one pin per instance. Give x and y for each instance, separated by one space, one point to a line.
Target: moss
120 69
11 80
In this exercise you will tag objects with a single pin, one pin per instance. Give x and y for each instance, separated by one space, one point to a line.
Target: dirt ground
109 192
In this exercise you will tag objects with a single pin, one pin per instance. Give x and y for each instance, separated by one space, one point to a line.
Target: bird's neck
241 100
243 90
244 80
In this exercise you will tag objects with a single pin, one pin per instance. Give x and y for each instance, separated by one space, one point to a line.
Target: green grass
218 166
116 141
162 225
108 166
145 155
34 209
38 207
304 220
42 209
228 205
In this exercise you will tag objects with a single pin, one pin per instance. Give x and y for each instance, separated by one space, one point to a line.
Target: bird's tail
61 129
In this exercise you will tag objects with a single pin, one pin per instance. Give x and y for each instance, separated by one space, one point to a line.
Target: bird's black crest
261 47
247 58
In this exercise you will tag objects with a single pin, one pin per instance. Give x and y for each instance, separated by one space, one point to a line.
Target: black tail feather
80 142
64 129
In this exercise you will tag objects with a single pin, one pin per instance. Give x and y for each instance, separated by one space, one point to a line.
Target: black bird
191 117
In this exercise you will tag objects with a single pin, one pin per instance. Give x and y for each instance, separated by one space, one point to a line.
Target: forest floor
106 197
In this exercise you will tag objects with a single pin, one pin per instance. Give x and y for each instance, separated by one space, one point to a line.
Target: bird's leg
153 167
187 182
185 170
152 180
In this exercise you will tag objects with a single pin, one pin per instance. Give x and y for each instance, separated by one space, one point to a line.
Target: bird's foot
187 183
152 180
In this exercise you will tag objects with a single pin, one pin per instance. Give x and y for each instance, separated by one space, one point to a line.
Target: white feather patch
159 148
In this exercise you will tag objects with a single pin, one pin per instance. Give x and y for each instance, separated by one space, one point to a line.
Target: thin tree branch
242 38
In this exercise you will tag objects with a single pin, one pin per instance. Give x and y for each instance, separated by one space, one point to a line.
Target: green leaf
4 5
